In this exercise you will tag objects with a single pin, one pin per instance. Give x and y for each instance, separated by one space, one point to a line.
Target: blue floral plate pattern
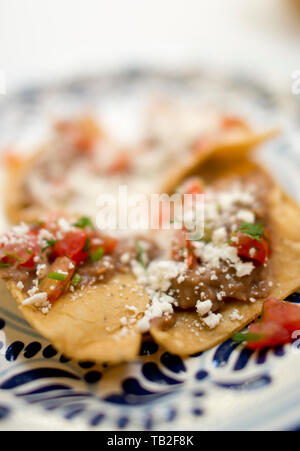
228 387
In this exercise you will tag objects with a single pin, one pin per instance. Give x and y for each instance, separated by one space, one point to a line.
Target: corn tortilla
89 327
284 215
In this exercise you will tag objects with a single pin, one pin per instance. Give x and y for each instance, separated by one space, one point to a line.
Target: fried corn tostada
95 297
74 286
268 238
81 161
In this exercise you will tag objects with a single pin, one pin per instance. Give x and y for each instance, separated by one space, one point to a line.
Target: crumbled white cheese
213 255
32 290
123 321
227 199
20 285
203 307
160 273
221 295
246 216
39 300
125 258
44 236
46 308
219 235
41 270
20 230
235 315
243 269
132 308
157 280
64 225
160 304
212 320
181 278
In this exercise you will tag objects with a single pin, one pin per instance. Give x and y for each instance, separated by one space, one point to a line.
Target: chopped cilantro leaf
84 222
255 231
86 246
97 255
13 255
50 243
256 248
247 336
57 276
76 279
141 255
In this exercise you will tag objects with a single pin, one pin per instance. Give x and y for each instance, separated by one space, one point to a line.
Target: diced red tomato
193 185
12 157
280 319
164 212
33 250
82 133
182 249
30 263
250 248
284 313
228 122
108 243
21 253
122 163
72 246
271 334
54 288
202 144
75 245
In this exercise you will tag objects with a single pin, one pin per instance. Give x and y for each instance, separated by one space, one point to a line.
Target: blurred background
40 39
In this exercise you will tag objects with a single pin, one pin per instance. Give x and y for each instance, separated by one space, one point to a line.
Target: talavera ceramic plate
228 387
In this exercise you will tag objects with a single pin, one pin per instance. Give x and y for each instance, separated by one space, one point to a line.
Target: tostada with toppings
95 297
81 159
